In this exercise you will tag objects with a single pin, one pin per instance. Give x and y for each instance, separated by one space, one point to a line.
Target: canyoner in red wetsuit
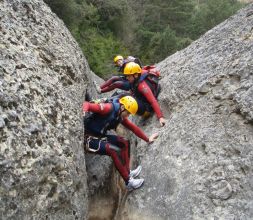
144 91
105 116
120 62
117 82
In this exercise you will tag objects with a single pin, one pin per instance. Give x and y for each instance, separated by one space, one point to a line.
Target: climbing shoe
134 184
134 173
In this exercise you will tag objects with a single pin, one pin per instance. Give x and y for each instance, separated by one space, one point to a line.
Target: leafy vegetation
148 29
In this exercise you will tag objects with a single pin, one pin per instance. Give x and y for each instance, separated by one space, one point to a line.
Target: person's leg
125 153
105 147
114 151
124 145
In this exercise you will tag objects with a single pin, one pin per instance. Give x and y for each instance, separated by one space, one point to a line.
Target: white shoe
134 184
97 87
134 173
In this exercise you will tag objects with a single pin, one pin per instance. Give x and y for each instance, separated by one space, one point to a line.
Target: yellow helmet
129 103
132 68
118 57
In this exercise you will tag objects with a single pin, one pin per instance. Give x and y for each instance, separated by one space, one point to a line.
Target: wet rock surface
201 165
42 78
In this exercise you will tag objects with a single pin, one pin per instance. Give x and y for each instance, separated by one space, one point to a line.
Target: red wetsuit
115 82
119 82
115 146
144 92
105 108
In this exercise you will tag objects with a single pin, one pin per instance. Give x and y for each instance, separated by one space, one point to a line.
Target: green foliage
159 45
210 13
86 21
68 11
99 50
164 28
179 14
148 29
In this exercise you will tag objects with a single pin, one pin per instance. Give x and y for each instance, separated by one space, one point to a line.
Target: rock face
42 79
201 165
199 168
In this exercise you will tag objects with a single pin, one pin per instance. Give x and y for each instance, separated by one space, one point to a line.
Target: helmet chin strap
120 112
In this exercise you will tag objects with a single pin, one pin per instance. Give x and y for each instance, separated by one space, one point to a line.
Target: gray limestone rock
199 168
201 165
2 122
43 75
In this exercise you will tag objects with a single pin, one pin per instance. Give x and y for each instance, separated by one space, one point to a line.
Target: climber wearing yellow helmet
117 81
145 89
99 118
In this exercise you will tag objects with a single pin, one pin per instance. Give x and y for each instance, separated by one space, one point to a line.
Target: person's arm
144 89
110 81
116 82
101 108
138 131
123 85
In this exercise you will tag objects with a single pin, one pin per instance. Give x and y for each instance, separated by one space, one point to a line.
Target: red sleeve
144 89
101 108
110 81
135 129
114 85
